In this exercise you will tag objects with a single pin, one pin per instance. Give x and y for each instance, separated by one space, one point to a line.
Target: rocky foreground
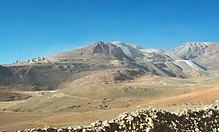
151 120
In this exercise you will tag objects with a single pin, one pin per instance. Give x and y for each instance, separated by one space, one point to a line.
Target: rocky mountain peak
204 53
109 49
102 47
192 50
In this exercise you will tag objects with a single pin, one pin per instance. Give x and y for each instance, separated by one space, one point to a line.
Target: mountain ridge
74 64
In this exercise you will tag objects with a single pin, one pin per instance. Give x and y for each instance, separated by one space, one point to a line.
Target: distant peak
99 42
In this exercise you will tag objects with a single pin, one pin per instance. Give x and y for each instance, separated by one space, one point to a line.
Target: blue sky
32 28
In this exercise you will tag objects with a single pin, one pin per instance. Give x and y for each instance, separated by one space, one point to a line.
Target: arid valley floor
60 108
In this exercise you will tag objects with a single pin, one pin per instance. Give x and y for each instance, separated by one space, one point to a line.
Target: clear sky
31 28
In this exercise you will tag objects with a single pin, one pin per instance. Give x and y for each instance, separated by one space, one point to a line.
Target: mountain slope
4 74
204 53
4 71
126 62
99 51
129 50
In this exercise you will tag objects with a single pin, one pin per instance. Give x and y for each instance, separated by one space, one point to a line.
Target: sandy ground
63 108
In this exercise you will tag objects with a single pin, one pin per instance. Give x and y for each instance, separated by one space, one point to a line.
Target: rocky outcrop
151 120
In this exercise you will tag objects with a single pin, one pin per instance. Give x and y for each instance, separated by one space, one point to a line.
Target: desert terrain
61 108
102 80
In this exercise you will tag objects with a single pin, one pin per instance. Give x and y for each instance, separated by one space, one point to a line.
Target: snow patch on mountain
150 50
192 65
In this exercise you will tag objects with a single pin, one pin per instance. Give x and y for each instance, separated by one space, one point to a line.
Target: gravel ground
151 120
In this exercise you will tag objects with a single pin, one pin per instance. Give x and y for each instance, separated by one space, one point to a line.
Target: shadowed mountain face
204 53
125 61
4 71
4 74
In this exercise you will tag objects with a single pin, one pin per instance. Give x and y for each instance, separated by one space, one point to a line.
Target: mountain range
123 61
